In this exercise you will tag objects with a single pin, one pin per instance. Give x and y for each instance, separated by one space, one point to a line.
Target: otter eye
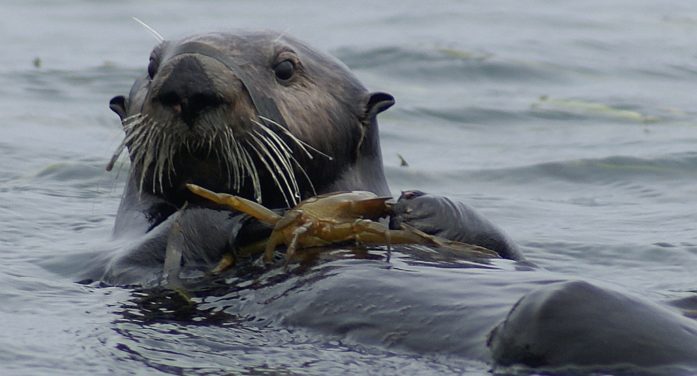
154 62
152 67
284 70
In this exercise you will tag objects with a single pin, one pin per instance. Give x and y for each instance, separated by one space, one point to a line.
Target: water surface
570 125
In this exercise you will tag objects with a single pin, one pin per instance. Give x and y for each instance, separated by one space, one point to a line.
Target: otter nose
188 91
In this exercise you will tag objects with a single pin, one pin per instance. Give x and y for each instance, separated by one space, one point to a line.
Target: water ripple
449 65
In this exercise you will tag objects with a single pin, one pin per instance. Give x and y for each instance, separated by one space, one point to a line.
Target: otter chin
257 114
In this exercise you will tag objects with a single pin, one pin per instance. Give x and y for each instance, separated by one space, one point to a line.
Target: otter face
256 114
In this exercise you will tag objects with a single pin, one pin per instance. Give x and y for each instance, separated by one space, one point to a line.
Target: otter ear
118 105
377 103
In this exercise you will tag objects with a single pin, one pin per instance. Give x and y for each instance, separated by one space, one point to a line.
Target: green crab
330 219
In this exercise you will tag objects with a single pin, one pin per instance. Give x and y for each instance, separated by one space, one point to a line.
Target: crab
331 219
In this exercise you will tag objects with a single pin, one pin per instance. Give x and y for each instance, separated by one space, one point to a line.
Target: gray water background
571 125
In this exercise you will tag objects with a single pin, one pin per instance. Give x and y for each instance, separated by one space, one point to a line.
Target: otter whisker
133 121
297 141
246 170
302 144
142 156
263 155
169 145
133 117
271 166
154 146
146 143
283 159
222 153
116 155
153 151
234 155
147 27
283 156
235 160
155 156
162 159
226 157
281 143
210 147
127 123
300 167
134 130
221 142
253 173
270 141
278 140
281 35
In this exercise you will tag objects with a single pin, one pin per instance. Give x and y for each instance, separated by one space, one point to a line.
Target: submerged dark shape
578 323
263 116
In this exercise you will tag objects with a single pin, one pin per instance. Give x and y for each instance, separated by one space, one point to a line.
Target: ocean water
572 126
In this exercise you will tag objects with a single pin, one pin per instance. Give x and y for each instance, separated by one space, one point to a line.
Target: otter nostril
199 102
191 106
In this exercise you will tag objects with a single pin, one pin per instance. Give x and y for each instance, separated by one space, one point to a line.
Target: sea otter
264 116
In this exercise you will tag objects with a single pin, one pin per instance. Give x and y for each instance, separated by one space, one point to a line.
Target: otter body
263 116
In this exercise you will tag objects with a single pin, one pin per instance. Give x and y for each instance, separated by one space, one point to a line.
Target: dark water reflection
303 320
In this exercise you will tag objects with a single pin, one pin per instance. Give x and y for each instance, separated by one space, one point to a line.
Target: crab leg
369 232
271 243
237 203
294 241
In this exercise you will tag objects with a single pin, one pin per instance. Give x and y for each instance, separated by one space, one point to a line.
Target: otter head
259 115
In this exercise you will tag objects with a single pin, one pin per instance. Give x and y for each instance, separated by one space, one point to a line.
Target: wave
448 65
609 170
